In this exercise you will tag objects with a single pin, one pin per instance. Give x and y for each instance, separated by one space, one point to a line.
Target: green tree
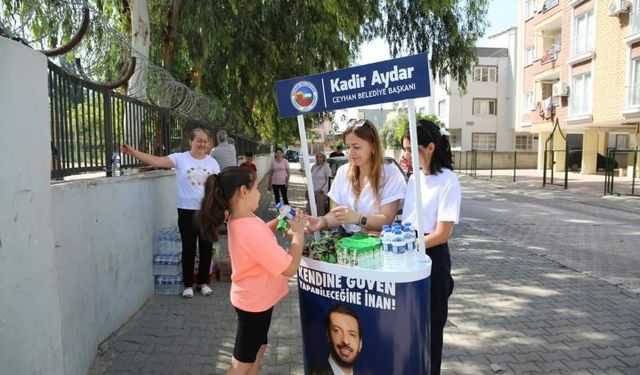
234 50
393 130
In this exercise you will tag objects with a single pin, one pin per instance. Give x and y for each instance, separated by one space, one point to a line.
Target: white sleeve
176 158
449 204
338 190
216 167
394 187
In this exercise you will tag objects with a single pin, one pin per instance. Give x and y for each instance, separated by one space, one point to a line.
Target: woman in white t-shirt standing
367 191
192 169
441 196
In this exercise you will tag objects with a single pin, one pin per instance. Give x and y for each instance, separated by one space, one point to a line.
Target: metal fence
467 162
626 162
90 122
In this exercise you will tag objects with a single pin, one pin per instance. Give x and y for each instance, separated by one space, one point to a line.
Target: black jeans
441 289
277 189
189 233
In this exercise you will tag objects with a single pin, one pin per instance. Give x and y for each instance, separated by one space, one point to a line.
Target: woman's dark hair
278 149
218 191
428 132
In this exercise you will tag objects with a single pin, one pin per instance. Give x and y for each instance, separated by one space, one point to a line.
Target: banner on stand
382 82
375 321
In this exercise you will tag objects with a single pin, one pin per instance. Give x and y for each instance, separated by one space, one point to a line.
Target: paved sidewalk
547 282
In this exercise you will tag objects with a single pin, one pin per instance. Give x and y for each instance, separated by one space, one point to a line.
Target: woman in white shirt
367 191
192 169
441 196
320 174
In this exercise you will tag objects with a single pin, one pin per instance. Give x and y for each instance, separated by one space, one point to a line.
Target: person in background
320 174
441 197
367 190
260 266
248 161
405 163
279 176
224 152
337 152
192 167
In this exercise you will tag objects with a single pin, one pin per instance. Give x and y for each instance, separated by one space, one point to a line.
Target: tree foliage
394 129
234 50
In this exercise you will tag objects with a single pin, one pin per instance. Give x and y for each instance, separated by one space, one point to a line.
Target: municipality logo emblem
304 96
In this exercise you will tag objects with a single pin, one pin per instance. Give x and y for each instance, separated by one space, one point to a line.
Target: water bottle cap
397 231
279 205
407 224
387 229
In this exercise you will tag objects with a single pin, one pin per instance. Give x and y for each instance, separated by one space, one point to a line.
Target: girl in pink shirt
260 267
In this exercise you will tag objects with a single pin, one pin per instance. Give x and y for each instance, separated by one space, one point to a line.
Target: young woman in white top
367 191
192 169
441 196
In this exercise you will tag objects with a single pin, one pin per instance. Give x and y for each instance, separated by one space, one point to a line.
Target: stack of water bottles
399 247
167 262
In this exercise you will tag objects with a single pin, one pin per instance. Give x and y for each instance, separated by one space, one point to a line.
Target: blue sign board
382 82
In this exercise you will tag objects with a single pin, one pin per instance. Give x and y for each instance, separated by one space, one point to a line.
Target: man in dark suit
345 342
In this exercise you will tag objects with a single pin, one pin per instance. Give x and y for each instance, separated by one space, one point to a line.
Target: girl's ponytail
218 192
212 208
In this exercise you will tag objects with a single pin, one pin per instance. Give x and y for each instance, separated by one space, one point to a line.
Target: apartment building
483 117
581 69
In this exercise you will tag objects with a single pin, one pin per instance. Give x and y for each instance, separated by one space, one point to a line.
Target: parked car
575 161
292 155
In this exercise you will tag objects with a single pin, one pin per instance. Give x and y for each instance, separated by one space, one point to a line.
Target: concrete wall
501 160
104 231
30 326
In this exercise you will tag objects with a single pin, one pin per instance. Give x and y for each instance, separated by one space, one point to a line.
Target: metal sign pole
304 146
417 172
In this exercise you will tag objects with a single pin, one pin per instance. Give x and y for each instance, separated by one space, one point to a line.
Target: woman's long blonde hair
364 129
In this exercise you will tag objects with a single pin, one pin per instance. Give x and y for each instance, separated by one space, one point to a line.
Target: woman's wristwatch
363 220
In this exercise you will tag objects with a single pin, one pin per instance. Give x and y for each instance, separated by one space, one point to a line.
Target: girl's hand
345 215
296 225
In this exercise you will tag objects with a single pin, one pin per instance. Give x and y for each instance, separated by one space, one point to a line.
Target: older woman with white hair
320 174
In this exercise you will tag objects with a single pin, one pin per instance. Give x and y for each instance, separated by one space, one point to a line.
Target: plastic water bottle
385 238
115 164
399 251
410 240
285 211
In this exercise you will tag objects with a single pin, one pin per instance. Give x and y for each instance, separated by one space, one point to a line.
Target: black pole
514 165
633 174
108 134
544 168
491 167
566 160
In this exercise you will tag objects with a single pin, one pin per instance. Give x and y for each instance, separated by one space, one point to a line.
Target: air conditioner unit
617 7
560 89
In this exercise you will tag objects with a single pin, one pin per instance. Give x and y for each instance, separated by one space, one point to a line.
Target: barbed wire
104 55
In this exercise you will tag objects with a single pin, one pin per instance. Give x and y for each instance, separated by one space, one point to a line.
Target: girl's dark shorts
251 334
